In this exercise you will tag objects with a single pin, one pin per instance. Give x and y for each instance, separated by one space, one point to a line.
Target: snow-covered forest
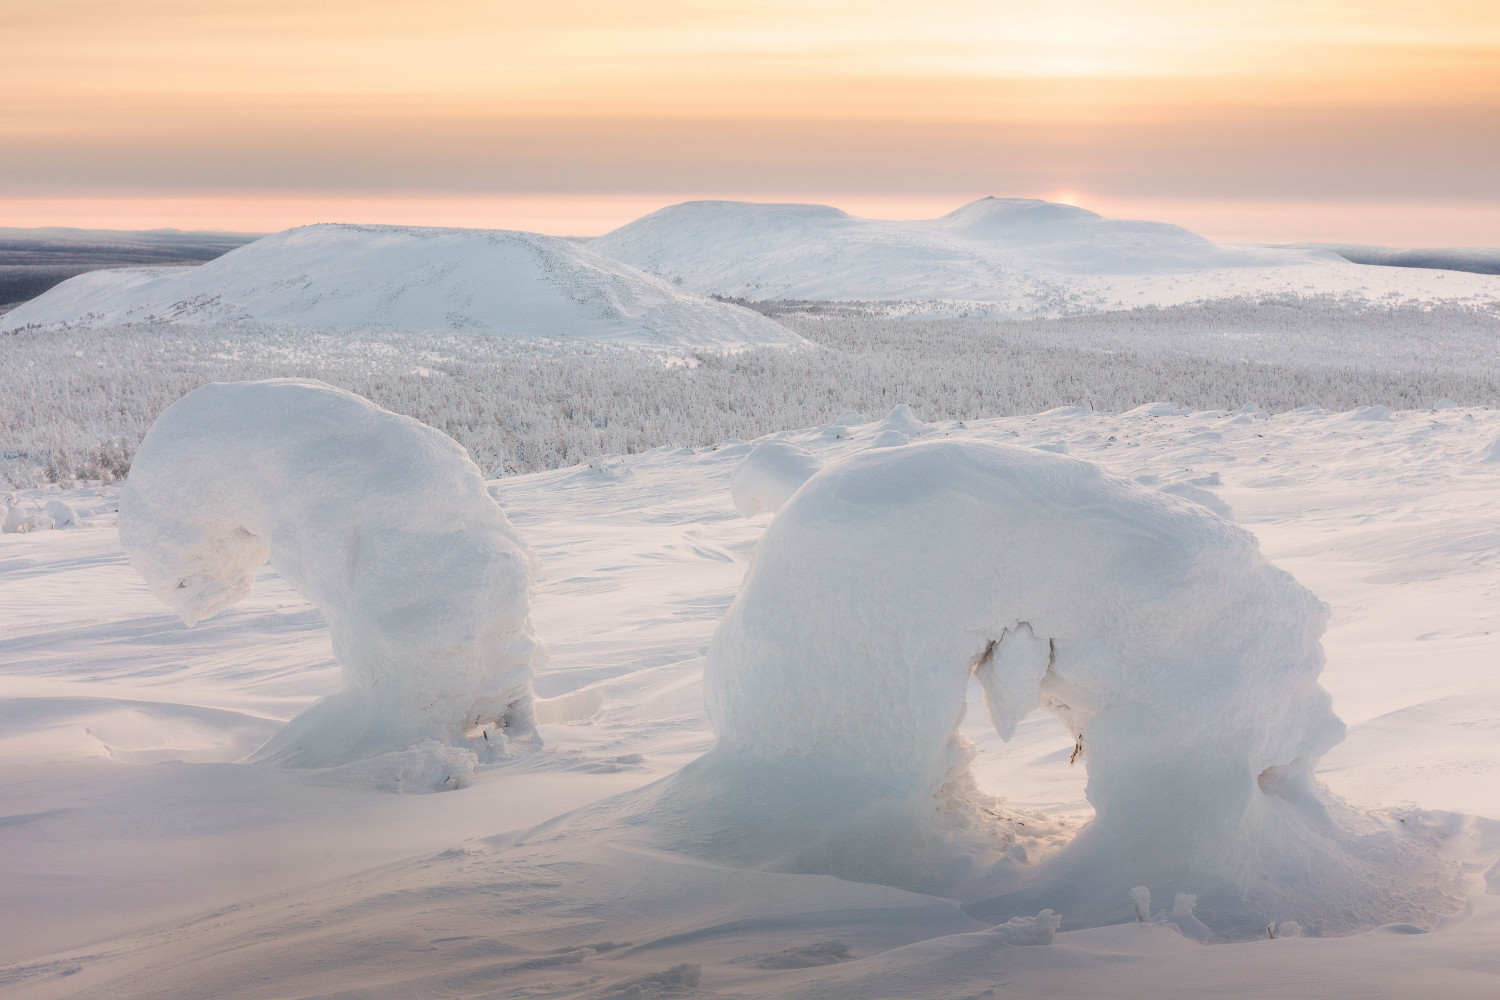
526 406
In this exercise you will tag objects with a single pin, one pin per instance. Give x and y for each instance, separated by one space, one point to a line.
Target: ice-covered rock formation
1183 663
382 522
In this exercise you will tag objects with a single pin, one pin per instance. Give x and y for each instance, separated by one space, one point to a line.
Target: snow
769 476
1480 260
963 700
521 406
61 514
993 256
522 285
143 857
1183 664
18 519
382 523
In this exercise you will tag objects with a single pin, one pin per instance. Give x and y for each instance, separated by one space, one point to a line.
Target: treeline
74 403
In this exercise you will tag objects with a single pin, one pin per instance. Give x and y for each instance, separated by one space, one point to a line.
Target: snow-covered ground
995 256
141 859
521 285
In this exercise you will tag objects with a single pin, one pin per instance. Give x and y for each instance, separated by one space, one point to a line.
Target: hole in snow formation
1029 771
1179 663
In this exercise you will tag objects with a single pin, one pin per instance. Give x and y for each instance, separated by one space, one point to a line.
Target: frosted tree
383 523
1183 664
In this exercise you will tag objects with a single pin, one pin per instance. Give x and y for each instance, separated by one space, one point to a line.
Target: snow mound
61 514
384 523
1184 664
17 520
903 420
769 475
516 284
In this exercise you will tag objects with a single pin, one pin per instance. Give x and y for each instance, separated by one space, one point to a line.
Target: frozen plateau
393 613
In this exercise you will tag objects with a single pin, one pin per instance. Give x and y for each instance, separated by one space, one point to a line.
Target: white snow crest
383 523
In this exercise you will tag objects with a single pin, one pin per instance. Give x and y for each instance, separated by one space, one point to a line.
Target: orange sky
1266 120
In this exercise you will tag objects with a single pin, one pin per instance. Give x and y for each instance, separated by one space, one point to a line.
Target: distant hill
1007 255
1475 260
985 248
520 284
34 260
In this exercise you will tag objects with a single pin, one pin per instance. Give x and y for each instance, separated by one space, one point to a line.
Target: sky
1367 120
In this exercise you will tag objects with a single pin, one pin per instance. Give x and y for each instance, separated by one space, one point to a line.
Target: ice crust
384 523
1185 665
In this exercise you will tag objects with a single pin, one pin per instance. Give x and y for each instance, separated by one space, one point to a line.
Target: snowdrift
383 523
1184 665
517 284
993 256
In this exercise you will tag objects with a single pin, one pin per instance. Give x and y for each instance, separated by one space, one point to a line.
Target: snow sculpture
383 523
768 476
1184 665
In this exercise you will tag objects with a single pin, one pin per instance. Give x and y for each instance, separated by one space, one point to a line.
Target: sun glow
1067 198
1299 101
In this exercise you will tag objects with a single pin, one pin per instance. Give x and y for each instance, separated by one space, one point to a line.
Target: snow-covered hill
519 284
143 859
1011 254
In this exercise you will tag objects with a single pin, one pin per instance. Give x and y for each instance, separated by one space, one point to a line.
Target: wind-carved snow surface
404 277
1185 665
383 523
